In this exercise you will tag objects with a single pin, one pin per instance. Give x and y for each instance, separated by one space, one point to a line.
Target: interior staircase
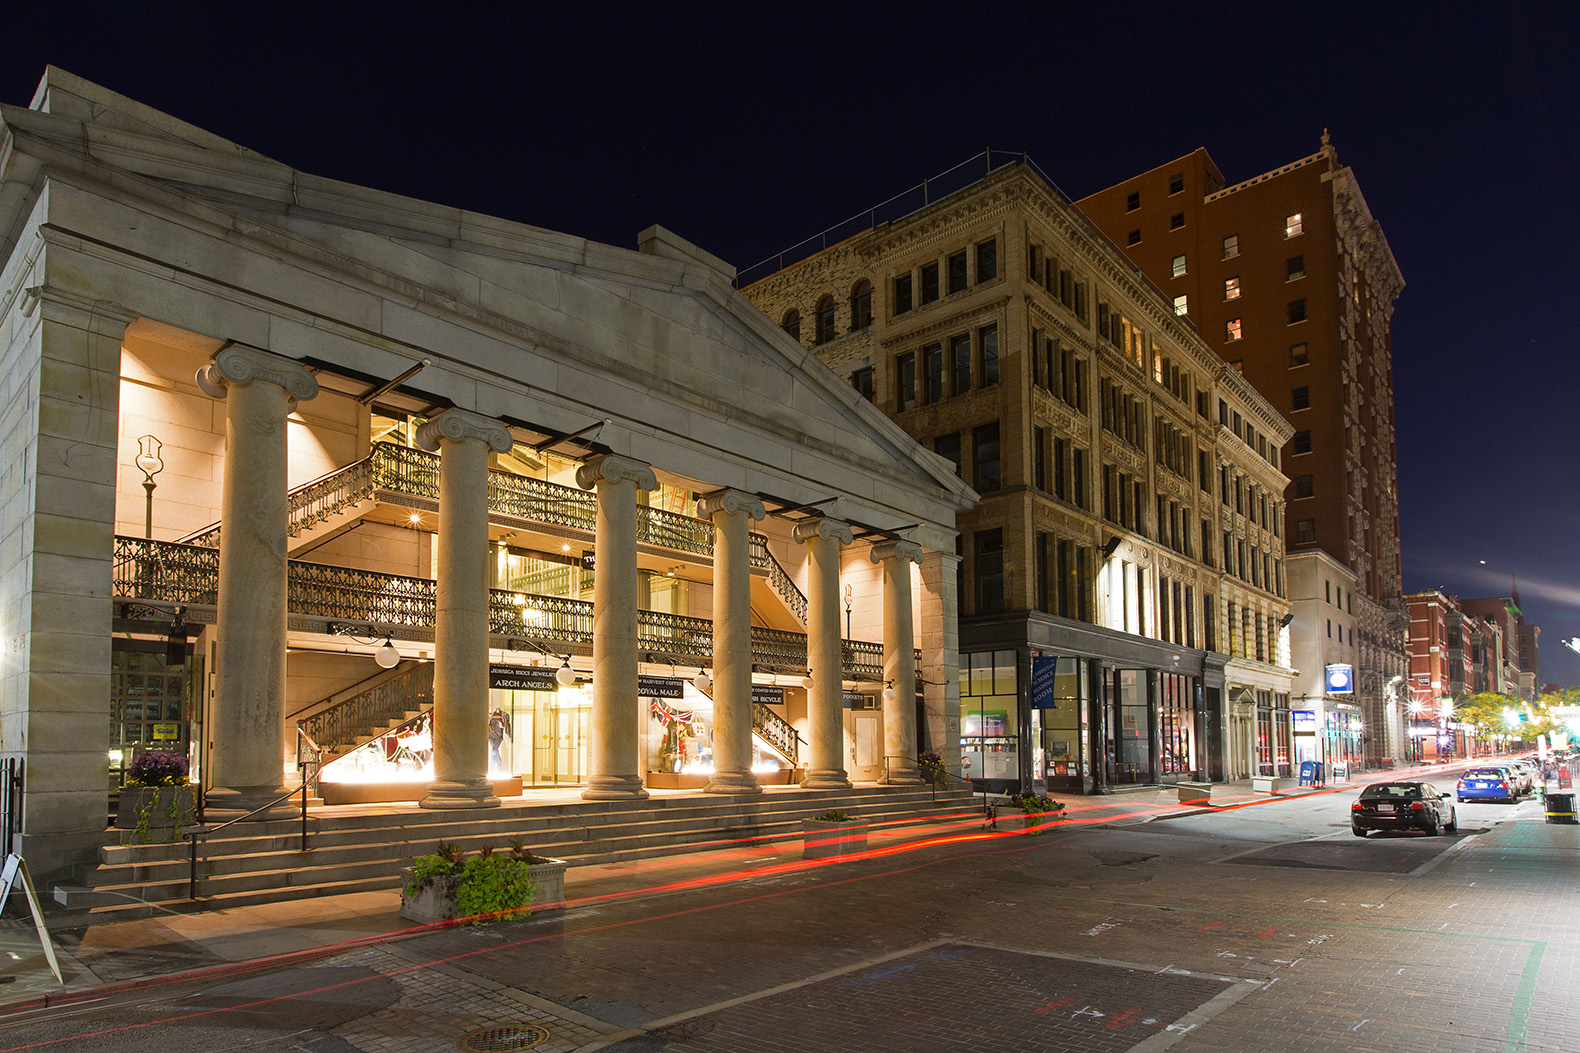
353 850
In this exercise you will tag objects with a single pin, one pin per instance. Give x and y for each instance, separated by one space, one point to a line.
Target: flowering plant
157 768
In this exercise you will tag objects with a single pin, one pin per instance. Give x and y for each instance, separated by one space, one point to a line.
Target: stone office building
287 455
1123 611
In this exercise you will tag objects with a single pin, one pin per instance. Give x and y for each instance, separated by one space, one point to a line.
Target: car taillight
1417 806
1503 786
1356 807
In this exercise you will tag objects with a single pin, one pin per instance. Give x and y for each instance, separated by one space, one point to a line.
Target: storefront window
1181 757
1131 752
1062 759
1272 734
988 710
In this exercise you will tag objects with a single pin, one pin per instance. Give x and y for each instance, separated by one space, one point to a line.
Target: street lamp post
150 464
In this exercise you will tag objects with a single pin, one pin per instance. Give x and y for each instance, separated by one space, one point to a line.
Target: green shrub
834 817
489 886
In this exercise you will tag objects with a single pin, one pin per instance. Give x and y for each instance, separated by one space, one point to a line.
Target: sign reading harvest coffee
521 678
660 687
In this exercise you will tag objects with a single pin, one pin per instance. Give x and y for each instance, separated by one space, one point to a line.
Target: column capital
613 468
897 549
458 425
822 526
244 365
732 501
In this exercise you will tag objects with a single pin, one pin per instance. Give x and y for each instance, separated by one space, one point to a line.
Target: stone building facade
281 450
1122 577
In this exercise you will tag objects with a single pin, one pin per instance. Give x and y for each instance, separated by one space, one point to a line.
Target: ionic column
616 710
732 513
899 661
260 389
825 714
460 636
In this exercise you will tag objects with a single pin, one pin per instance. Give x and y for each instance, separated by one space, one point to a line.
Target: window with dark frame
948 447
932 374
1305 531
957 271
902 294
1176 221
1294 267
792 324
1297 311
930 283
824 321
1133 238
960 363
861 306
1300 398
985 467
987 261
1176 183
1298 354
1231 246
1132 201
987 340
905 381
1301 442
988 566
861 380
1304 485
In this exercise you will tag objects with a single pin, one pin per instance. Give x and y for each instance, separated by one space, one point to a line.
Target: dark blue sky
747 132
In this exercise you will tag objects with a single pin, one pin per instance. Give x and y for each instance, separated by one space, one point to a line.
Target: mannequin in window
498 732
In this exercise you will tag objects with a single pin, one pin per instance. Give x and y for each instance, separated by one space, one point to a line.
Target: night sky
747 132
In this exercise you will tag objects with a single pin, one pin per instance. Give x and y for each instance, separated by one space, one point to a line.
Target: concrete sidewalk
188 944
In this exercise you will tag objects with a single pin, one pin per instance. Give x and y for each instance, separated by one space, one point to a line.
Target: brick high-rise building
1289 278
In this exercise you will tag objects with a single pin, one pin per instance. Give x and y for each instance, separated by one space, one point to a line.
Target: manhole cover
502 1038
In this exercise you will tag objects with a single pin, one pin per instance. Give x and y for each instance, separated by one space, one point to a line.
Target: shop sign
167 732
589 561
521 678
1044 675
660 687
856 700
1340 680
763 695
1305 721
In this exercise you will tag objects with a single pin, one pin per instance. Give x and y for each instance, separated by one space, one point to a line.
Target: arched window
861 306
792 324
825 320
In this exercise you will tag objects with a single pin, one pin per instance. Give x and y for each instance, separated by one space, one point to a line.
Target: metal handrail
196 832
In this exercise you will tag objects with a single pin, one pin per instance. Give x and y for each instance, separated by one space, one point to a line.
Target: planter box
825 840
436 903
1264 783
155 814
1194 792
396 792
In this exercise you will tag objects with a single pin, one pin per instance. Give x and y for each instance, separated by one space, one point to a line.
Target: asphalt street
1259 928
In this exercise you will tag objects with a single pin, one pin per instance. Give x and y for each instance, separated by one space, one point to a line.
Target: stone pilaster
825 713
460 640
260 389
616 721
899 661
732 513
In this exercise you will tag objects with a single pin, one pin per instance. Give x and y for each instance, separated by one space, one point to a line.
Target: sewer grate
502 1038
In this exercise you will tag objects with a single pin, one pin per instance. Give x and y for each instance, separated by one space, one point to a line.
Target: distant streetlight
150 464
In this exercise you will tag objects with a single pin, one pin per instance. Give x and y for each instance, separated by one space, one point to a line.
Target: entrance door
864 739
559 754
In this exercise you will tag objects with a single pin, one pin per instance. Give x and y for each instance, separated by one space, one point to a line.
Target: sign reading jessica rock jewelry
521 678
1340 680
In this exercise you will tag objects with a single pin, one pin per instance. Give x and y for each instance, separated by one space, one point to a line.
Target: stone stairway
356 850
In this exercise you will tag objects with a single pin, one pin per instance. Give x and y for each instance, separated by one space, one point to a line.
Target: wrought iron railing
778 580
414 473
351 722
777 732
165 570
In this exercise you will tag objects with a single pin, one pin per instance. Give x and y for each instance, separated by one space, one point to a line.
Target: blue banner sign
1044 675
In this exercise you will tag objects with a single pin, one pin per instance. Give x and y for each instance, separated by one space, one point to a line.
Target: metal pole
192 873
148 507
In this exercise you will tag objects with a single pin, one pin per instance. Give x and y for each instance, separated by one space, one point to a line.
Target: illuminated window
1231 246
1233 330
1238 365
1178 265
1298 354
1231 288
1180 304
1293 225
